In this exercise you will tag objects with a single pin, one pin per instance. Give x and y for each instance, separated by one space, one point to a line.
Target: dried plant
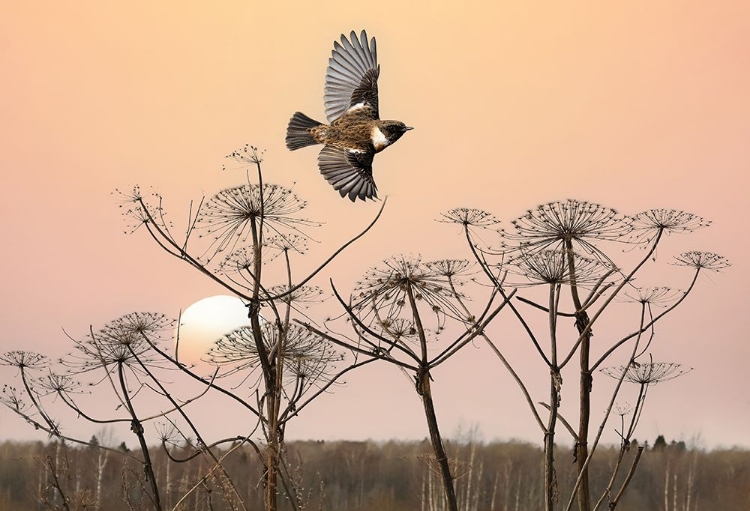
564 245
570 225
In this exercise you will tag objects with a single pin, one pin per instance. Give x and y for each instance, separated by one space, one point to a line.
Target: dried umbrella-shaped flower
552 267
657 296
54 383
305 354
230 216
559 225
472 220
300 296
470 217
399 329
24 360
248 155
120 341
283 244
648 223
141 211
702 261
385 290
647 374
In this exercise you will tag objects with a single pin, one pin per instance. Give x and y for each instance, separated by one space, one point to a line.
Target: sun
207 320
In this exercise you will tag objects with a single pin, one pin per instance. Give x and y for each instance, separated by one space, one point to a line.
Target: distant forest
368 476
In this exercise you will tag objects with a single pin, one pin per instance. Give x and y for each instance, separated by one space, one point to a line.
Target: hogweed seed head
24 359
657 296
556 224
669 220
230 215
552 267
469 217
648 374
702 261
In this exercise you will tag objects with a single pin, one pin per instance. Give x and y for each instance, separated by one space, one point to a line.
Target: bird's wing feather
349 172
352 76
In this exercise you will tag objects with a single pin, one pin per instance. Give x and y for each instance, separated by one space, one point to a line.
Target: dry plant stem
52 468
584 329
616 500
425 392
292 411
209 383
51 433
103 361
205 448
269 377
550 482
628 278
583 473
52 426
365 328
502 358
470 334
356 349
649 324
73 406
205 477
137 428
563 421
498 285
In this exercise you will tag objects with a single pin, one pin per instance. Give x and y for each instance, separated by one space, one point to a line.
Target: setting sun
205 321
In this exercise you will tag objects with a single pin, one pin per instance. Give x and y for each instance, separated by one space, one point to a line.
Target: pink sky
632 105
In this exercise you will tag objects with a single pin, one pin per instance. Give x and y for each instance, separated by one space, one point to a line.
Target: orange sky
628 104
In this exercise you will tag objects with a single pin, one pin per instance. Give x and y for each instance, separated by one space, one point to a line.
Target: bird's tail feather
298 132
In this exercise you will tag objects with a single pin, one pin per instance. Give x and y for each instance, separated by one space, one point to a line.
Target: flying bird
355 132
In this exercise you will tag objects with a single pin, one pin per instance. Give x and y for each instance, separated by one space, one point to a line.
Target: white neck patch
378 139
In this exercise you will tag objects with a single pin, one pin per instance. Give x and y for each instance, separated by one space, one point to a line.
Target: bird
355 132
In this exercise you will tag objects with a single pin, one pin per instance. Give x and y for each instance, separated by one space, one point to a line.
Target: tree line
370 476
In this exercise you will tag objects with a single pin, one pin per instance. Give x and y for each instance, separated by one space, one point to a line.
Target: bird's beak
408 128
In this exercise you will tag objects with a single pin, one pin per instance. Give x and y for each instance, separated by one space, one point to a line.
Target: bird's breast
379 140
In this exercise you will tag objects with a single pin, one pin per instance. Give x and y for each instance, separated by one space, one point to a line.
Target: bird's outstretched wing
352 76
349 172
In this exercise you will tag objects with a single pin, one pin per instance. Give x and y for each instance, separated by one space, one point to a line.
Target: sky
633 105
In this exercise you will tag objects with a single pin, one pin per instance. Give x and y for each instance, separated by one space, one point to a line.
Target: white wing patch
358 106
378 139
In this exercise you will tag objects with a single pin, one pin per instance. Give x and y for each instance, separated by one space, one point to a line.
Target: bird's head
393 130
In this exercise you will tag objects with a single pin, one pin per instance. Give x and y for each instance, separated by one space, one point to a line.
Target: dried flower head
702 261
658 296
11 398
669 220
450 268
305 354
247 155
385 289
559 225
398 329
230 216
24 360
241 260
648 374
54 383
469 217
283 244
140 209
301 295
121 341
553 267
